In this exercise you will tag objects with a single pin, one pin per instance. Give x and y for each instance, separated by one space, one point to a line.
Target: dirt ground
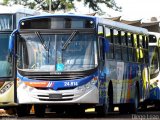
7 112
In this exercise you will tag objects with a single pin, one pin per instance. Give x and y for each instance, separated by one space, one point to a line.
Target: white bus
9 17
73 62
154 54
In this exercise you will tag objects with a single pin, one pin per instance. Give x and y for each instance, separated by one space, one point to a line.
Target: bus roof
18 9
123 26
107 22
155 34
60 15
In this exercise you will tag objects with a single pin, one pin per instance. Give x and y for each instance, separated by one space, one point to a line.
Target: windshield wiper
42 40
69 39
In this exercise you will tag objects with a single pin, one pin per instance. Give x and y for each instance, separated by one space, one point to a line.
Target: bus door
7 71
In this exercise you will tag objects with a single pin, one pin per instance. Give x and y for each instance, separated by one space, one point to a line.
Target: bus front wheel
23 110
108 105
39 110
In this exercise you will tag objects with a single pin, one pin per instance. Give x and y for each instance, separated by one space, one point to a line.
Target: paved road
149 114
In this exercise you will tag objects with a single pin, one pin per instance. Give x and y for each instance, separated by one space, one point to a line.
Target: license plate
55 96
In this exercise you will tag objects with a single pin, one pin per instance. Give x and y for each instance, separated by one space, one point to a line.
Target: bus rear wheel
134 106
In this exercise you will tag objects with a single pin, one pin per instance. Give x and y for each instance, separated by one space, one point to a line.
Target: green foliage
65 4
5 2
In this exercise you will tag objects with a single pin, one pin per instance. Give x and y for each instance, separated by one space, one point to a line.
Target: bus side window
116 37
117 45
147 53
130 45
141 49
100 35
100 31
123 38
124 46
145 46
143 41
129 40
109 37
135 48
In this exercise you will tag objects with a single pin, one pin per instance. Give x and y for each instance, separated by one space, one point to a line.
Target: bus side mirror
105 43
11 47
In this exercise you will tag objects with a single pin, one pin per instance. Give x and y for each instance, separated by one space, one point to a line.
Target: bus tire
39 110
157 105
134 106
143 107
23 110
101 110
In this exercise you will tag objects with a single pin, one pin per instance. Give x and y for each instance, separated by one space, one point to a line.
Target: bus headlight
89 84
6 87
94 80
81 88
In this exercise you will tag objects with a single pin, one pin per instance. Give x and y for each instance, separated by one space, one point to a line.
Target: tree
65 4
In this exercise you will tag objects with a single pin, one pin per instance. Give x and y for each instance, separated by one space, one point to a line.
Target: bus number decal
70 84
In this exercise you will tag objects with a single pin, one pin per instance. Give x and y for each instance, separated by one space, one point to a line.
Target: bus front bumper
80 95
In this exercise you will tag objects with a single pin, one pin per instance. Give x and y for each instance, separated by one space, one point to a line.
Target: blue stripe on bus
62 83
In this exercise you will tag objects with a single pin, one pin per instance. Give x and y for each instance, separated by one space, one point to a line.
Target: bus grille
62 98
55 99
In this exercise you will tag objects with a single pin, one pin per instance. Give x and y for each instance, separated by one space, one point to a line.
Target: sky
131 9
136 9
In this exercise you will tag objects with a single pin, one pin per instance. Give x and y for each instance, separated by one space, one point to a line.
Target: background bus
83 61
9 17
154 53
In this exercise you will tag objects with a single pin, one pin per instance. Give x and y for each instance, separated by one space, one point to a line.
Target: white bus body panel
29 95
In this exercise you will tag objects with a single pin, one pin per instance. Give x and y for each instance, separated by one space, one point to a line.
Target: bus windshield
154 59
45 52
5 69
